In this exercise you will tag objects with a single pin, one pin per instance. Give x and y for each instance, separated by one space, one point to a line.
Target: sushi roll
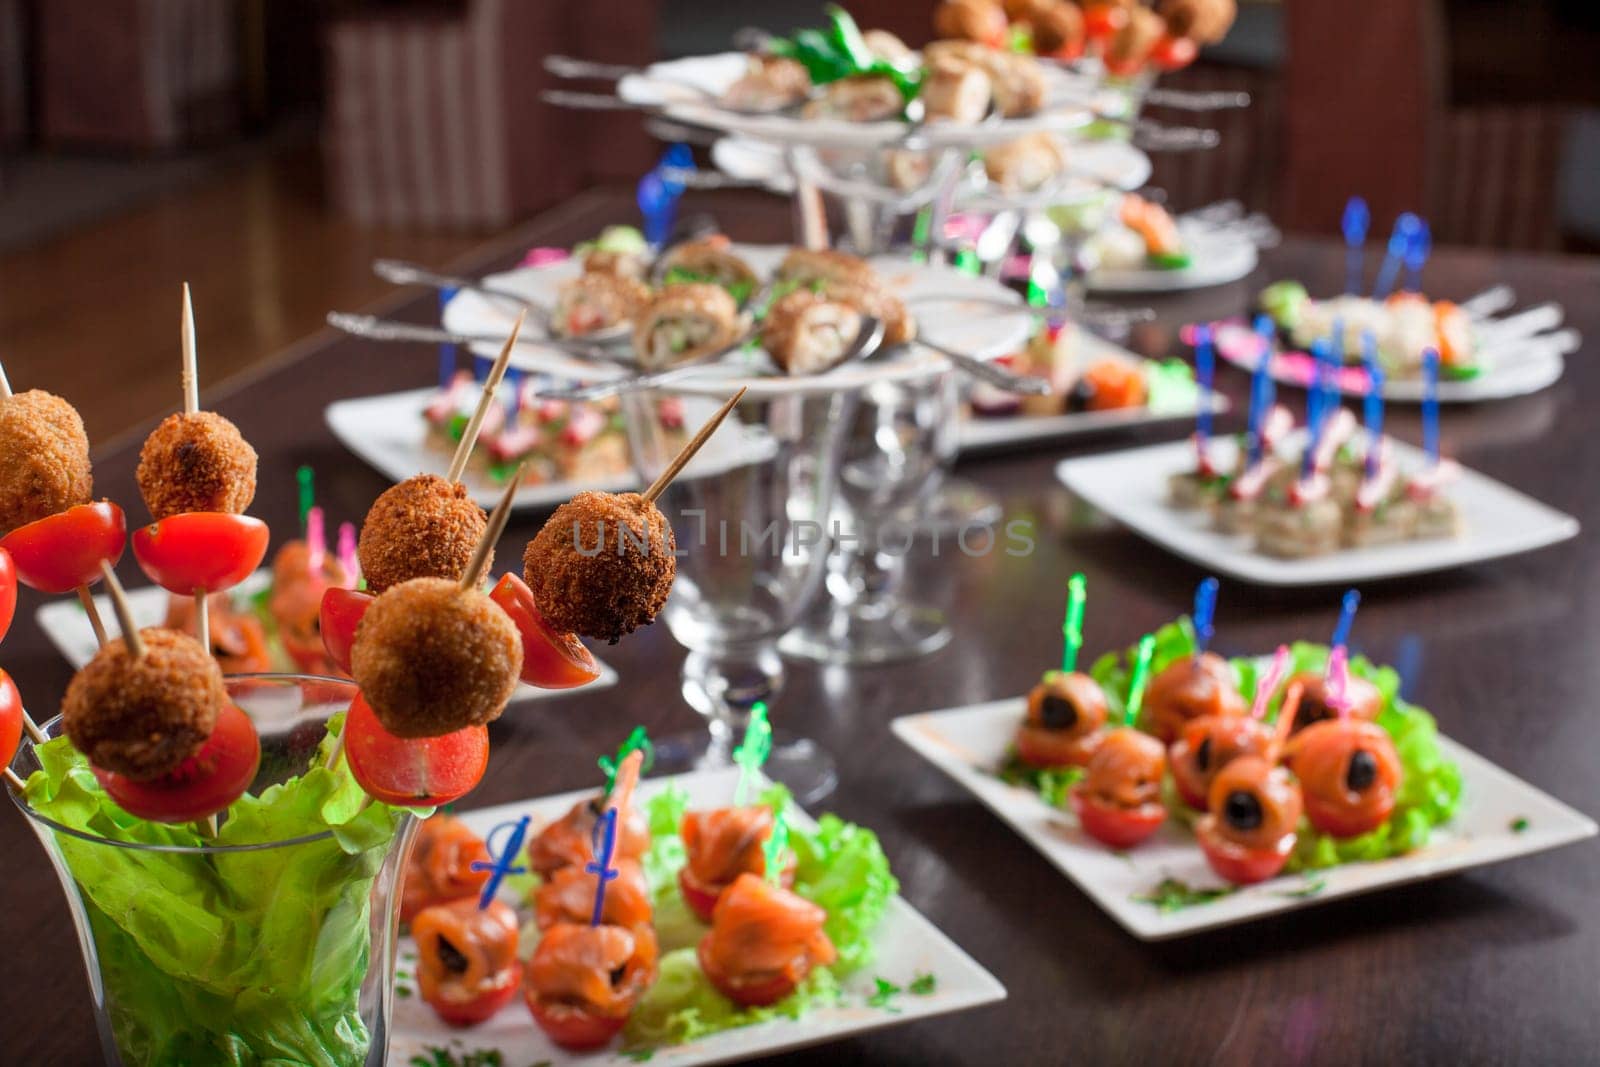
807 333
684 323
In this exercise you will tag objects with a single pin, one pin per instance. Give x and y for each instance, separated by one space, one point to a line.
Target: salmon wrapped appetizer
1209 744
1119 800
567 896
467 965
440 867
1255 807
764 941
1349 772
296 603
569 841
1363 700
595 301
1065 721
806 333
684 323
722 845
1190 689
583 981
238 640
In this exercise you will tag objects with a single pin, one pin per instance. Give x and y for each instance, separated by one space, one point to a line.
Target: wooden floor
94 316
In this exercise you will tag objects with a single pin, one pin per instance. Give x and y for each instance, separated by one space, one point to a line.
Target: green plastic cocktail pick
638 741
1072 624
773 850
752 752
1141 677
308 492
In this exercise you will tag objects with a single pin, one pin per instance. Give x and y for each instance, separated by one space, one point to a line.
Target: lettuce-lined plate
894 966
1457 810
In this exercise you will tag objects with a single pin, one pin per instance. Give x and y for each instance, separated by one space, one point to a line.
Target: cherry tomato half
747 992
572 1027
209 550
341 613
59 553
204 784
1235 862
1173 53
423 772
550 660
481 1008
1114 826
1102 21
8 592
10 719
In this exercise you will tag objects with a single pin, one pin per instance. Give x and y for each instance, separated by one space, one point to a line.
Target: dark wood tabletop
1498 965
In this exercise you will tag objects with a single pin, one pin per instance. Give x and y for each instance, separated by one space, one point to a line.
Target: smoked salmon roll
1250 831
1191 689
567 896
440 867
1349 775
1364 699
1065 721
1119 800
569 841
764 941
467 965
1209 744
722 845
583 981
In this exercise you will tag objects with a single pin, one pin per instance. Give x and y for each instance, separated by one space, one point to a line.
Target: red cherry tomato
572 1027
1235 862
702 900
8 592
746 992
1343 820
1068 52
1038 747
10 719
1173 53
1123 68
1114 826
1102 21
423 772
342 611
481 1008
60 553
209 550
204 784
550 660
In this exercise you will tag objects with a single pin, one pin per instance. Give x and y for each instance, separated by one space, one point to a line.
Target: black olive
1202 755
1057 713
1363 771
1312 709
1081 396
452 958
1242 810
619 974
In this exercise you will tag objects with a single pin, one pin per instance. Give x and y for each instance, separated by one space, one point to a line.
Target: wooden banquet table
1495 965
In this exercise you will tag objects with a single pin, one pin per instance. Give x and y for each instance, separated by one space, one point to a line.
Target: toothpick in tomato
200 551
61 552
550 659
203 785
423 772
341 613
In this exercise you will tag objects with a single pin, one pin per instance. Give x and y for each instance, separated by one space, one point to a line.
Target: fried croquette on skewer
146 702
428 526
44 457
607 593
433 656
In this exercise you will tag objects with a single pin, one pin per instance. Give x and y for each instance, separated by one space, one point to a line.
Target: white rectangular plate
1131 487
67 627
981 433
390 435
907 945
968 743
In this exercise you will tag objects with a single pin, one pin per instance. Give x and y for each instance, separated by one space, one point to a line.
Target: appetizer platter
1097 386
1141 248
1183 791
692 884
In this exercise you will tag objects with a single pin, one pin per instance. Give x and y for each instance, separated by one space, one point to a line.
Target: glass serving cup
750 516
298 935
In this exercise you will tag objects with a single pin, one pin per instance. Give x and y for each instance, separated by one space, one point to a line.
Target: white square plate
908 945
1131 487
67 627
968 743
979 433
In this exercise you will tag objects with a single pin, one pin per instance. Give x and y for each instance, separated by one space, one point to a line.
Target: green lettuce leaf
246 958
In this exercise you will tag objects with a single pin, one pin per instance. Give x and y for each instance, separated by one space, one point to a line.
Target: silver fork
400 272
375 329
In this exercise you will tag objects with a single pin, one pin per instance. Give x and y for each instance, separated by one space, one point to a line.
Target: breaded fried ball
143 716
424 527
196 461
44 459
590 578
432 658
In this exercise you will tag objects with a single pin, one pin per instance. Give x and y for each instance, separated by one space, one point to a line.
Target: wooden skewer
86 598
683 458
119 601
491 533
191 404
16 783
469 436
5 384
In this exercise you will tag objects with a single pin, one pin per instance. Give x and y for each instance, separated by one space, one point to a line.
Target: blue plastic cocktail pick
1347 616
447 351
1372 404
1400 238
1354 224
503 860
1205 372
604 844
1430 403
1205 609
1417 253
658 196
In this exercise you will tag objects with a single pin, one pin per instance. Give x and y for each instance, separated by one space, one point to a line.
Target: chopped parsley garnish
1174 894
1052 784
1311 888
638 1055
1519 824
443 1057
884 995
923 984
